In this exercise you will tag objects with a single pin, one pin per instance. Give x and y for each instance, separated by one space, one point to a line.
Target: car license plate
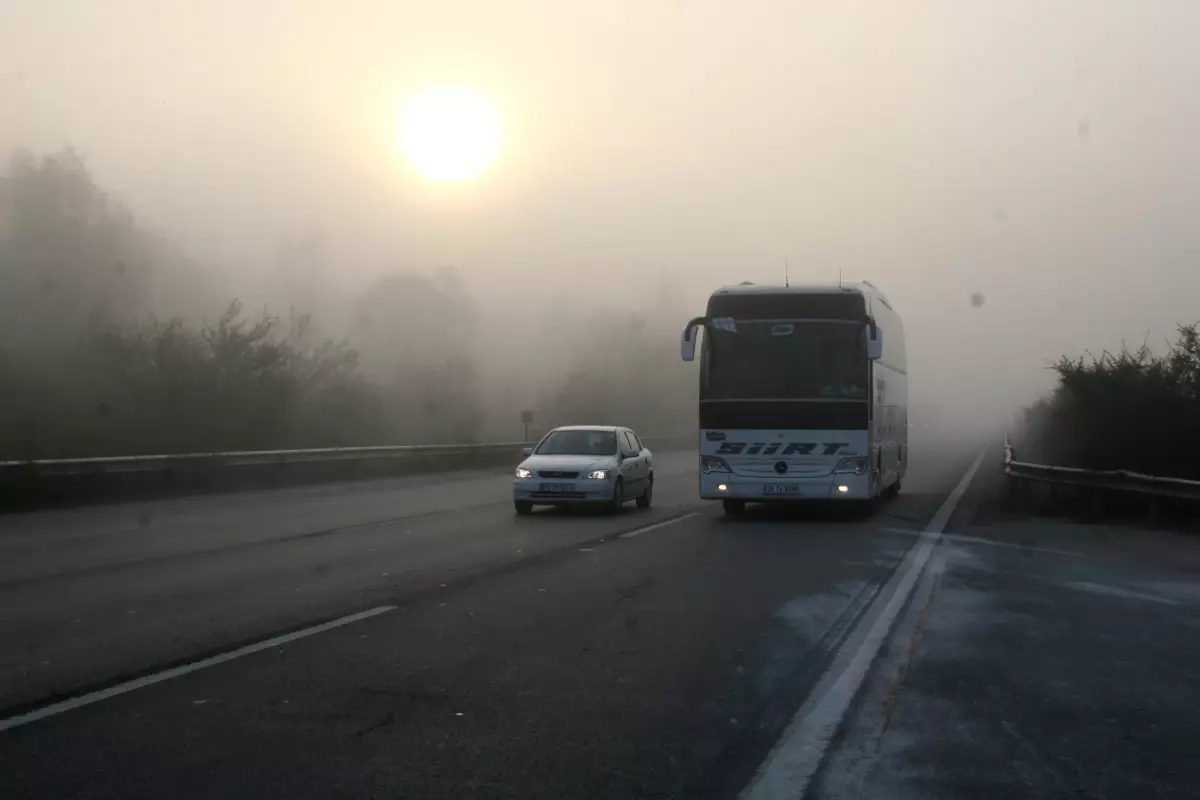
781 488
555 488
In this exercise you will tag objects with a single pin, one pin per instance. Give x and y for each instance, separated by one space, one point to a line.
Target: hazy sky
1044 154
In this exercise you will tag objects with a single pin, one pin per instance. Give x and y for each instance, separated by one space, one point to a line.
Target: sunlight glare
449 133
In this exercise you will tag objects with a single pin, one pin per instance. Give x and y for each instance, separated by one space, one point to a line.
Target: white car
597 464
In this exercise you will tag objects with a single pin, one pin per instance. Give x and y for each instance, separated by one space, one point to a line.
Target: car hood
569 463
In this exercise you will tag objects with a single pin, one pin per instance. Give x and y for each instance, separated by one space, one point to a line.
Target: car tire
647 497
618 499
523 507
733 507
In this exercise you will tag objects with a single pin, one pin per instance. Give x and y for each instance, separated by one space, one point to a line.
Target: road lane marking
956 538
1117 591
789 768
186 669
657 525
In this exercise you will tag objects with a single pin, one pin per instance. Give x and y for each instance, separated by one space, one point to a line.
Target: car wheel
733 507
523 507
618 499
647 496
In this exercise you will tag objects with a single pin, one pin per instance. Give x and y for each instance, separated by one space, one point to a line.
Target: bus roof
865 288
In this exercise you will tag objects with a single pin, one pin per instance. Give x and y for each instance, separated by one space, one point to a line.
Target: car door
645 461
630 467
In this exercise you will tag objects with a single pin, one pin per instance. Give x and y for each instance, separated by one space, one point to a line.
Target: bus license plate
555 488
781 488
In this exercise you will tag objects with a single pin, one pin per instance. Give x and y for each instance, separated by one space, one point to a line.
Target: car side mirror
527 451
874 342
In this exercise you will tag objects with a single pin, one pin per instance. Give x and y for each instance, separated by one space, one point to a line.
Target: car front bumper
581 490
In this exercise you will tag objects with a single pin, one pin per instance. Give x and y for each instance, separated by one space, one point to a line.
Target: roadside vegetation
113 341
1133 410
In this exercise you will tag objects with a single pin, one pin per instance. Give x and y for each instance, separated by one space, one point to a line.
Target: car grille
549 473
558 495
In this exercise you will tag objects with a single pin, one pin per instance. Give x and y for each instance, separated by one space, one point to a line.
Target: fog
1041 156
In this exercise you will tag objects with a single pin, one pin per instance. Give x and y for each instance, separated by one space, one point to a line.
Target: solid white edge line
185 669
794 760
655 526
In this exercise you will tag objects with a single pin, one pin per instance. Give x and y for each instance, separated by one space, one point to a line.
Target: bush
94 362
635 378
1134 410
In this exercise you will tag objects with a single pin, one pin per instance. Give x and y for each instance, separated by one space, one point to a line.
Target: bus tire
733 507
866 508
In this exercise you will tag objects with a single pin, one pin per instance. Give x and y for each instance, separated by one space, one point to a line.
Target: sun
449 133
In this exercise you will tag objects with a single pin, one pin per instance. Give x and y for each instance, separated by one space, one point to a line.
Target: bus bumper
725 486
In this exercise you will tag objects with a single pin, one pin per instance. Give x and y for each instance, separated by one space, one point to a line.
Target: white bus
803 394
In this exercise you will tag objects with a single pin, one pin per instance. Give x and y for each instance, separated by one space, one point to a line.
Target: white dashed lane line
186 669
657 525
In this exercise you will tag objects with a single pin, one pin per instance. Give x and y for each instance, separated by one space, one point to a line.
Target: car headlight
713 464
598 475
856 464
523 473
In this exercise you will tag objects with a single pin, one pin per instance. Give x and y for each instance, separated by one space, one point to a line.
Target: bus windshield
785 361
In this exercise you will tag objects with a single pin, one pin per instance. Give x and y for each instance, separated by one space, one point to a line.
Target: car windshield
578 443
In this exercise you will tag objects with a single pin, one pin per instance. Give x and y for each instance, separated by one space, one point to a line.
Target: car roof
605 428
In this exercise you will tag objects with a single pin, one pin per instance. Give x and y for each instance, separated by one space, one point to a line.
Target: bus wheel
733 507
866 509
893 491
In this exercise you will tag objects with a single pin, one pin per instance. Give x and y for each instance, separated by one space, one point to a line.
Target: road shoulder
1039 658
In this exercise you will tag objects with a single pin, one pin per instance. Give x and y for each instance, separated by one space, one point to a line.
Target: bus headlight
857 465
713 464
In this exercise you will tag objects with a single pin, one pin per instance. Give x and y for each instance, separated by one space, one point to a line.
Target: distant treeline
1133 410
96 359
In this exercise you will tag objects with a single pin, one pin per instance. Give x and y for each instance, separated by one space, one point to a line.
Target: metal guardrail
1101 480
56 481
243 458
52 467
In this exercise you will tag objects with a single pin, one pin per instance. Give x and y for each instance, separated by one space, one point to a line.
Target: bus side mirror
874 342
687 344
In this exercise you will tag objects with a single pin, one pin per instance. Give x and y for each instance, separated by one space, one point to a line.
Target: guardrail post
1098 503
1020 490
1152 512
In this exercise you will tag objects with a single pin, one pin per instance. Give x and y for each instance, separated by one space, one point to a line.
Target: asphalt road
655 654
90 595
1039 657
